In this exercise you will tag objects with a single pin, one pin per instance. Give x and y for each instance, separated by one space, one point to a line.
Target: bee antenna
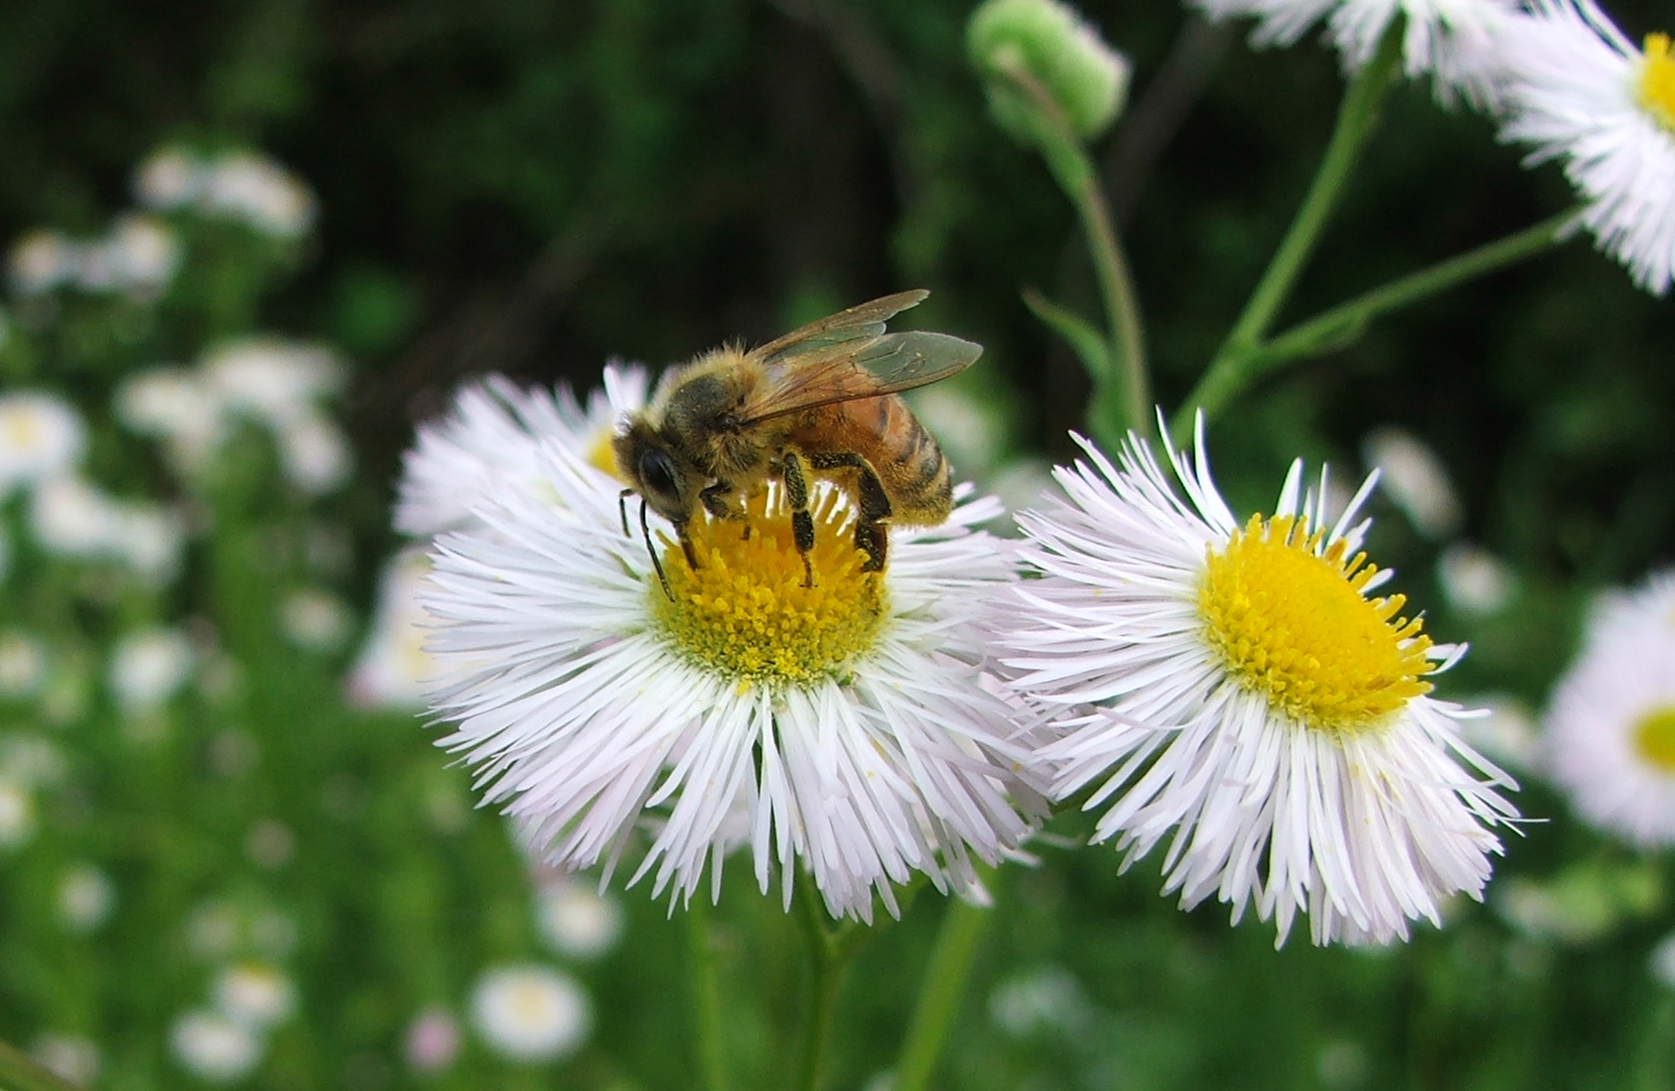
650 549
622 509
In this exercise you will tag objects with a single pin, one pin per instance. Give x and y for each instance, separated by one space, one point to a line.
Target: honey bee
820 400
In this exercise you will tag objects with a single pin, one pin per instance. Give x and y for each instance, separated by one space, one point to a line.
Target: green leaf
1083 337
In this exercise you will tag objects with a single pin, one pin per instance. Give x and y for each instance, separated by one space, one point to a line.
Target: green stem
1356 117
828 965
1124 390
941 991
1331 326
20 1072
705 994
1336 326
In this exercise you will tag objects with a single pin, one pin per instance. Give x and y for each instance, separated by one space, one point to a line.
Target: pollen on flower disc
1292 623
1654 738
746 613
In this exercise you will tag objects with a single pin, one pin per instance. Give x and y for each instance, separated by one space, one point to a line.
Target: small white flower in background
393 664
314 453
273 380
433 1040
143 254
17 814
31 760
259 191
1661 962
493 432
85 897
1086 78
270 844
41 261
71 518
1455 42
23 664
530 1013
315 619
1578 90
1235 687
177 406
169 178
70 1056
215 1047
254 994
1049 999
1415 478
575 920
148 539
849 717
1609 731
1475 581
148 667
41 437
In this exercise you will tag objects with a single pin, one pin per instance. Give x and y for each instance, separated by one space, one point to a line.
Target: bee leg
870 534
802 523
622 509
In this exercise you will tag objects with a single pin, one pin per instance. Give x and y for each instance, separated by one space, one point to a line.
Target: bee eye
657 472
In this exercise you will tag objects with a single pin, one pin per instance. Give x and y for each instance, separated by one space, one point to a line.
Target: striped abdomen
883 431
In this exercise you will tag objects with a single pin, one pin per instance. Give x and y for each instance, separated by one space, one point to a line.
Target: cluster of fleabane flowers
1557 75
1235 687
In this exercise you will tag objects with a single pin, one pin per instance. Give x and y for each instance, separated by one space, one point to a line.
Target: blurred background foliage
532 188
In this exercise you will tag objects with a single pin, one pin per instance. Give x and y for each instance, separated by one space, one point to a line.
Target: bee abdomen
917 476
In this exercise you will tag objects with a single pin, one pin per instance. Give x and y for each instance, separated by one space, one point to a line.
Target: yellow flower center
745 613
601 455
1657 81
1654 738
1293 625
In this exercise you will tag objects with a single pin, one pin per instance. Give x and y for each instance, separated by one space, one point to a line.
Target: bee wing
864 321
882 364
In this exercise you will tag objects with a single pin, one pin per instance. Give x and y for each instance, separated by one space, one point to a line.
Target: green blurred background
533 188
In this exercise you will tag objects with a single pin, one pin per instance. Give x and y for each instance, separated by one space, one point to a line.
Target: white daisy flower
848 721
575 920
86 897
254 188
148 667
530 1013
41 436
1578 90
1452 41
1610 729
494 431
1235 683
271 379
255 994
214 1047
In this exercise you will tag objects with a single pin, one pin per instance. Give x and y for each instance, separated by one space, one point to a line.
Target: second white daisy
1235 689
1610 731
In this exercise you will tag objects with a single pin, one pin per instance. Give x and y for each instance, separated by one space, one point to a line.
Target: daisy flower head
843 728
1578 90
1452 41
495 430
1609 731
1239 684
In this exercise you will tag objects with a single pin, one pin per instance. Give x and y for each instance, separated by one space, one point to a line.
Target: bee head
644 459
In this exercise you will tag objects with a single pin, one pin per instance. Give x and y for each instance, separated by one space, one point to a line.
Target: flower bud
1049 41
